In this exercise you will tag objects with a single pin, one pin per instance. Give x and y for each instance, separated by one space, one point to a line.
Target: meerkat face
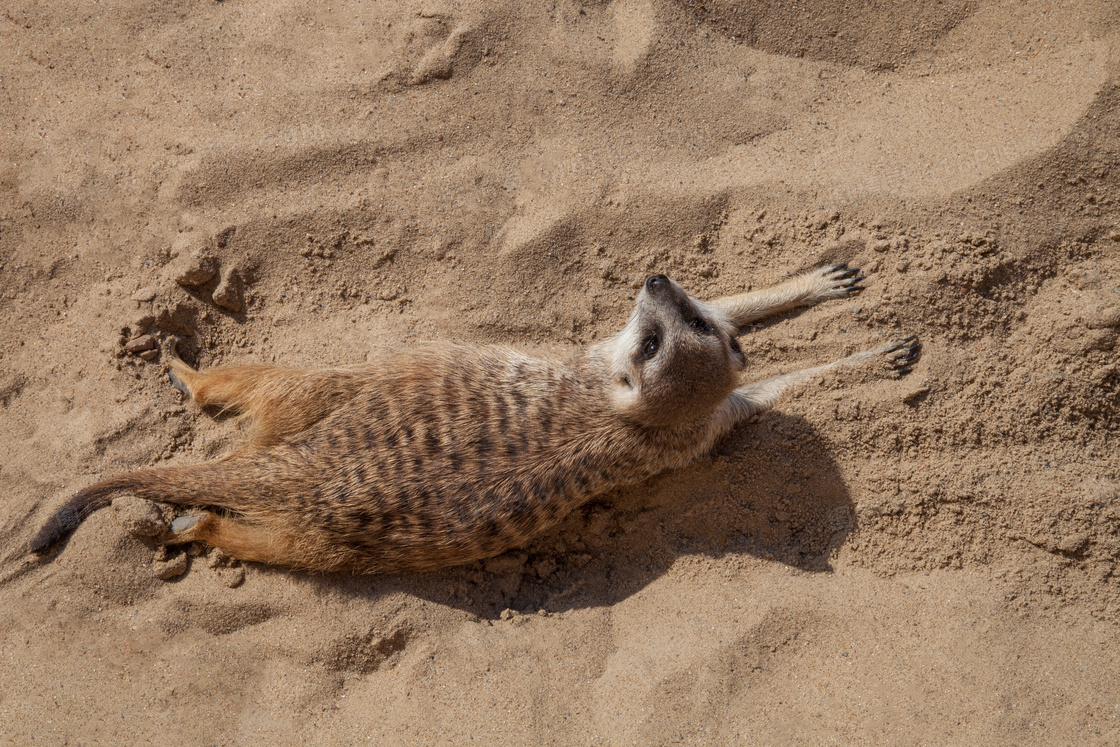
676 359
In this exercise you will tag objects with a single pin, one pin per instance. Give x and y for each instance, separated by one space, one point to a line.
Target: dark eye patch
701 326
650 346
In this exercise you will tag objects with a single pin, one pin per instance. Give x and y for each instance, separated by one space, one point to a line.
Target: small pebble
140 344
194 265
172 568
196 273
232 577
144 294
141 323
139 517
230 293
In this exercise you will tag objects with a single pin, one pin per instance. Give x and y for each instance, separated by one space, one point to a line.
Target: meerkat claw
904 353
178 384
844 280
182 523
173 345
839 272
171 354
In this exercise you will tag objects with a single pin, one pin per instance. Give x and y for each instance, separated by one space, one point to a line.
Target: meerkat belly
440 469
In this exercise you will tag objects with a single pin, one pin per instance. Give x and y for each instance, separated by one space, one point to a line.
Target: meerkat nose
656 281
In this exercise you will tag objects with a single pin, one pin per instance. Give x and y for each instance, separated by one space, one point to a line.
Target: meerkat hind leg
808 289
237 538
279 402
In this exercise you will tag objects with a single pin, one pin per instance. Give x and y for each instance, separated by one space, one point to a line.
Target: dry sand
932 560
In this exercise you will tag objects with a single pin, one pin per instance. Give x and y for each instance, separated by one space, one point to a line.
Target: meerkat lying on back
453 454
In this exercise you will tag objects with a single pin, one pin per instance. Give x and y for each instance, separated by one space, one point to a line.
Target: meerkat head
676 359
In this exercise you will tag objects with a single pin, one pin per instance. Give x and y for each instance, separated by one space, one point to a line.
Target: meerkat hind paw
181 524
178 383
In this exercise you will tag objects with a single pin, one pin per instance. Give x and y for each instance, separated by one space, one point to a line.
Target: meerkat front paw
901 355
837 281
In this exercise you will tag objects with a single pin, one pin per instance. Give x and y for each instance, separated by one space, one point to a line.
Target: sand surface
924 561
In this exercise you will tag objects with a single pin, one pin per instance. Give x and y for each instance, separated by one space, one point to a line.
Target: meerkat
452 454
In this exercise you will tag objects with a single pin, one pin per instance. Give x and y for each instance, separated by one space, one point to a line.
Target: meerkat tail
167 484
67 518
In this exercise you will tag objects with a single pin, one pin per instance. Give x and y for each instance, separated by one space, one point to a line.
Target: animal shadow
771 490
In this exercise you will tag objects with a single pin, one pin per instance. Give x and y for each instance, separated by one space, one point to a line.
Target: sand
924 561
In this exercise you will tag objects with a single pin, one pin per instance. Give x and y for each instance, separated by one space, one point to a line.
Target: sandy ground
925 561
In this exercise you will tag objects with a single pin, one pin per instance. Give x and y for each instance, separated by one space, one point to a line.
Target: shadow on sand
770 490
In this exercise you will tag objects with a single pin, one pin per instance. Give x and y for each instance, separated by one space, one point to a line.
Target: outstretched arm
821 284
748 401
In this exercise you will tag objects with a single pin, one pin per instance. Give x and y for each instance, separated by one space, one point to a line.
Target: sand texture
932 560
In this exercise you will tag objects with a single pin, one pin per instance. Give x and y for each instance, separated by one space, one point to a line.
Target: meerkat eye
650 346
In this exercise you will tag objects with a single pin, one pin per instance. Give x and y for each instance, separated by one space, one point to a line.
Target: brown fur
453 454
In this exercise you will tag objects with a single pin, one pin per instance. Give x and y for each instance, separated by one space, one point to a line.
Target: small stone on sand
139 517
